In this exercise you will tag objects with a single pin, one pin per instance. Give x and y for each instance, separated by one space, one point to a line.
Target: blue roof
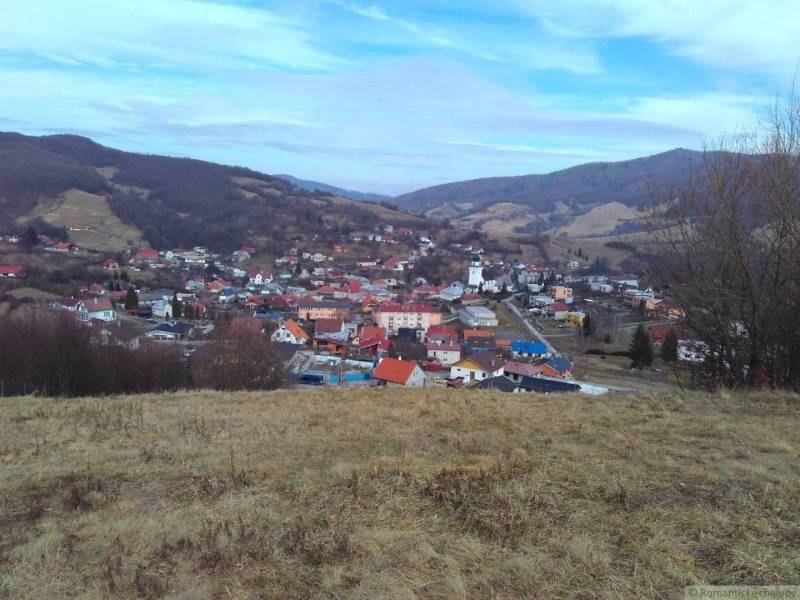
559 363
529 347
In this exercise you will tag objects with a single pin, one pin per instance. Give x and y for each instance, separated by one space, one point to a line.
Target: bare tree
238 357
728 250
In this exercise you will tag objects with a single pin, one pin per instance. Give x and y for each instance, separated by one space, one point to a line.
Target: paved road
528 325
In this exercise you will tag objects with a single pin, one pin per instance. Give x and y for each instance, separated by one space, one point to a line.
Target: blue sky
396 95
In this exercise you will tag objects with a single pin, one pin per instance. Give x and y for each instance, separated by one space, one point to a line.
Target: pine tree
587 325
188 312
131 299
669 348
28 239
641 350
176 306
124 276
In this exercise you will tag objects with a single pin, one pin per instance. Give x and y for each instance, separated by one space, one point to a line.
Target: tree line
52 353
728 251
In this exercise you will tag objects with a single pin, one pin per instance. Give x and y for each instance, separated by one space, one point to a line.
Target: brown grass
396 494
108 233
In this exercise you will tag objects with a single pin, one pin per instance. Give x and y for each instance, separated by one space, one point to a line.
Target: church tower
475 272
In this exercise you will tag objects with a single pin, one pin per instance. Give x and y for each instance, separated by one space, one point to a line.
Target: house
575 317
447 354
558 366
558 310
290 332
171 331
453 292
147 255
397 372
658 333
515 371
477 316
371 332
394 316
326 327
260 277
374 346
477 366
97 308
65 248
441 334
326 309
522 349
12 271
111 264
560 292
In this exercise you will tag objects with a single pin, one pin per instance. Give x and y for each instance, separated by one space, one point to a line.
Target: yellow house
576 318
561 292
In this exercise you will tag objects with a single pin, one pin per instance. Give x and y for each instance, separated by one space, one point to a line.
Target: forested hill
174 202
630 182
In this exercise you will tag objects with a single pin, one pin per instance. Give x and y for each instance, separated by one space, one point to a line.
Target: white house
97 308
290 332
260 277
446 354
477 366
394 372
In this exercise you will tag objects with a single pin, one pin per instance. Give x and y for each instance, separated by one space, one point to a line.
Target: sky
392 96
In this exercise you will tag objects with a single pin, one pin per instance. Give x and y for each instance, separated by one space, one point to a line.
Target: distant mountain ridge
169 202
316 186
630 182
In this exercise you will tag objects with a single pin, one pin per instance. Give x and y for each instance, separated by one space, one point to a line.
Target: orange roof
369 332
394 370
296 330
468 333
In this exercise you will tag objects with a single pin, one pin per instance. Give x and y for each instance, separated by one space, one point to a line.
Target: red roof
368 332
558 307
12 270
394 370
405 308
526 369
471 333
445 329
147 253
98 304
328 326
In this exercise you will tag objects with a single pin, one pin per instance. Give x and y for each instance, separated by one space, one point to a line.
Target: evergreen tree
124 276
587 326
188 312
131 299
641 350
176 306
669 349
28 239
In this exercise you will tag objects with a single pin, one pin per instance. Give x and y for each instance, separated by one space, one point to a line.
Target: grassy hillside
396 494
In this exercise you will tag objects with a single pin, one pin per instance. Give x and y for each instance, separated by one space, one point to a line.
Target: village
345 319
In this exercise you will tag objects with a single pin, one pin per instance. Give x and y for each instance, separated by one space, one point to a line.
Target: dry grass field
398 494
107 234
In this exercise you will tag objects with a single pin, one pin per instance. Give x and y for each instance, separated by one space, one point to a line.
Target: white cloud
162 34
498 44
740 34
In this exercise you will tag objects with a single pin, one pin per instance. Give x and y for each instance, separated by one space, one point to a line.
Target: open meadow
400 494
